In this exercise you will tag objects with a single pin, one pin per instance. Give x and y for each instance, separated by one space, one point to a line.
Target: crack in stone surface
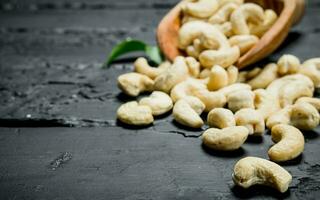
60 160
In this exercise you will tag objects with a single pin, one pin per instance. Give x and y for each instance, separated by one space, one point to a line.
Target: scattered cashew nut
268 74
252 120
227 139
289 143
134 114
133 83
240 99
288 64
244 42
251 171
159 102
221 118
224 57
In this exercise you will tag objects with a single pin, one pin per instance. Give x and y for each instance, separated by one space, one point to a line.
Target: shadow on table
254 140
131 127
225 154
258 191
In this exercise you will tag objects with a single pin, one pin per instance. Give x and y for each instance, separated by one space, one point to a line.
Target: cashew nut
244 42
227 139
175 74
159 102
221 118
268 74
225 28
186 88
252 120
226 91
211 99
289 143
301 115
251 171
205 73
315 102
270 17
265 103
201 8
253 73
186 111
218 78
133 83
224 2
233 73
141 66
224 57
311 68
134 114
245 13
240 99
288 64
193 66
223 14
211 37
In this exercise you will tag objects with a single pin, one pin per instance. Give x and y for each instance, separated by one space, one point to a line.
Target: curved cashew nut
159 102
268 74
252 120
186 111
211 36
225 28
265 103
244 42
233 73
270 17
311 68
245 13
134 114
221 118
253 73
218 78
186 88
302 116
211 99
224 57
201 8
289 143
175 74
223 14
240 99
142 66
205 73
288 64
133 83
193 66
251 171
315 102
226 91
227 139
187 18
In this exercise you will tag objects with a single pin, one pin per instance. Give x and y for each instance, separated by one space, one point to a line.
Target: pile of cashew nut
218 32
238 104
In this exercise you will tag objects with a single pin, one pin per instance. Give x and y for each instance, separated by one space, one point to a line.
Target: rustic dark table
59 138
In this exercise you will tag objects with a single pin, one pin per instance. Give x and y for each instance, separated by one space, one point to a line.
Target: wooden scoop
289 13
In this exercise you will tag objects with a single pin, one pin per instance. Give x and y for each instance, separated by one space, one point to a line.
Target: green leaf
130 45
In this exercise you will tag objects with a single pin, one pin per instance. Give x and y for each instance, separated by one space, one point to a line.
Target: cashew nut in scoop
288 64
240 99
134 114
252 120
311 68
224 57
289 143
244 42
265 103
133 83
175 74
227 139
223 14
221 118
276 86
141 66
211 37
315 102
224 2
270 17
301 115
268 74
187 112
201 8
244 14
251 171
225 28
159 102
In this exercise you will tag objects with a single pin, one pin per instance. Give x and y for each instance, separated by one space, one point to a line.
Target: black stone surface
58 135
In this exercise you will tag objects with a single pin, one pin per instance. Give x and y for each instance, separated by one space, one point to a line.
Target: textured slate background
50 80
